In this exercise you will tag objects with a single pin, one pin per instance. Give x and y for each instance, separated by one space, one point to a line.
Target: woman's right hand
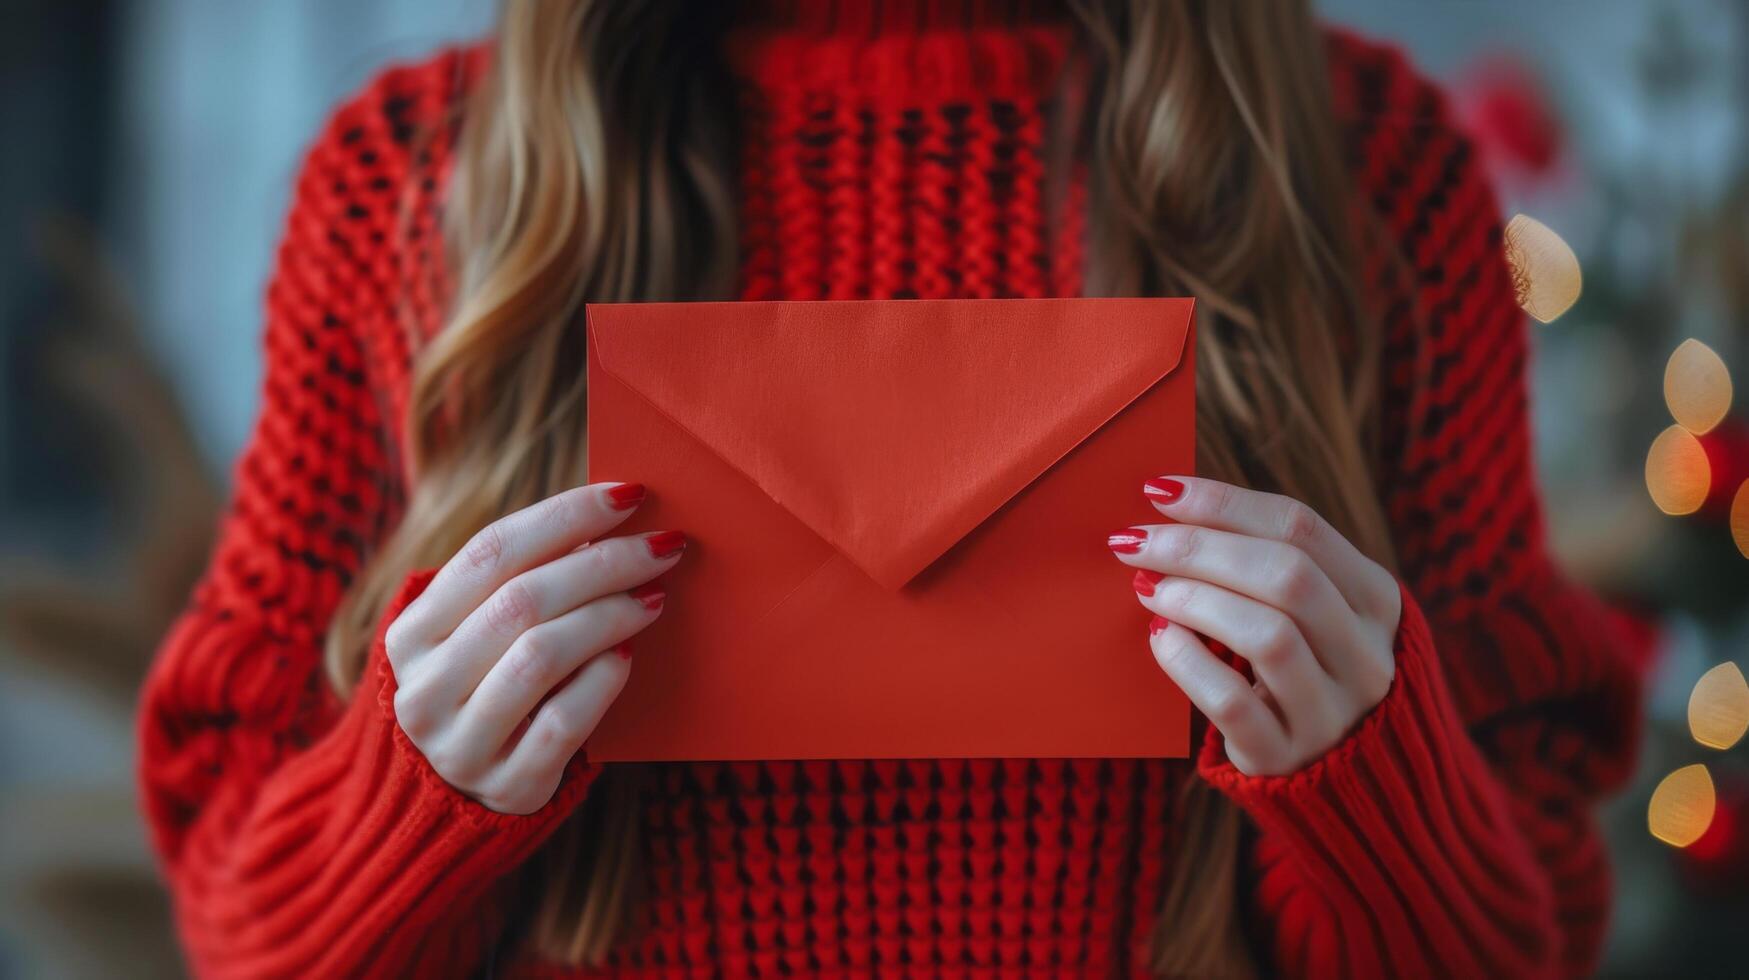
509 658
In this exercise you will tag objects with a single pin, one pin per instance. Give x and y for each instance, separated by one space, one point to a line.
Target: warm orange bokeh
1682 806
1545 270
1697 387
1718 707
1740 518
1677 472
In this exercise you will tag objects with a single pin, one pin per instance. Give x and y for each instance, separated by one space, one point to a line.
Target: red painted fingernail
1163 489
1146 581
649 595
1157 625
666 544
1127 541
625 496
623 649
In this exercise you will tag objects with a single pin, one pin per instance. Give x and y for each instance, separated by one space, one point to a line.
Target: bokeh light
1697 386
1677 472
1740 518
1682 806
1545 271
1718 707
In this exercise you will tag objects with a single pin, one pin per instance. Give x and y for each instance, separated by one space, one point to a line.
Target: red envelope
897 513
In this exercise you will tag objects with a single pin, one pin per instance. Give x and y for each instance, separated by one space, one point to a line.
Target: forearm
1398 852
333 859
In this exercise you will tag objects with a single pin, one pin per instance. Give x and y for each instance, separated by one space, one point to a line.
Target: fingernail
1146 581
649 595
625 496
1163 489
1127 541
623 649
666 544
1157 625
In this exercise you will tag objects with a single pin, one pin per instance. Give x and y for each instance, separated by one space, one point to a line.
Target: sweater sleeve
1452 833
302 835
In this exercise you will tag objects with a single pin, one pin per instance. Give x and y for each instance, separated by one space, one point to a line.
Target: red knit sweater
1450 834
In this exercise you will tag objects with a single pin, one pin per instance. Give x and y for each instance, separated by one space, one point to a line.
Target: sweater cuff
1404 806
417 845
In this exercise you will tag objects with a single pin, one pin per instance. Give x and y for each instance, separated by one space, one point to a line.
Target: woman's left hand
1271 580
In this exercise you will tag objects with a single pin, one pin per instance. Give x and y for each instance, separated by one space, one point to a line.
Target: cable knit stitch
893 151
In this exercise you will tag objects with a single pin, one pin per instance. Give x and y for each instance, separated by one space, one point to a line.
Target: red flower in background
1718 863
1727 455
1505 109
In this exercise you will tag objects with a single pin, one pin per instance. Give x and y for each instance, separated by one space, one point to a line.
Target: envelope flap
891 428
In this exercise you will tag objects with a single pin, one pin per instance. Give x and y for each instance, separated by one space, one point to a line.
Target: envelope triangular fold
892 430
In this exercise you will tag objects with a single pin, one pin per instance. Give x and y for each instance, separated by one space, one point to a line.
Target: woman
1416 713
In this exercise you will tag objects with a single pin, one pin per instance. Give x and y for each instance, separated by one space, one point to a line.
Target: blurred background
150 146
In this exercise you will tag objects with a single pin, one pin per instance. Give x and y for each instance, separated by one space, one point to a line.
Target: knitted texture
1449 835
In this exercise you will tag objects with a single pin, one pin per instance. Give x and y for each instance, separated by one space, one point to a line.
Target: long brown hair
596 164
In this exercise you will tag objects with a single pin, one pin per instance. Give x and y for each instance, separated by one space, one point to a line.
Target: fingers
500 660
1271 572
1256 742
1306 697
1268 578
541 594
510 546
1365 585
531 770
542 658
